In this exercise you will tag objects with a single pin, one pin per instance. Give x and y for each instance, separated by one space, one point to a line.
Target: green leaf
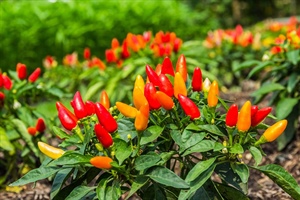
256 155
236 148
113 192
259 67
100 190
35 175
267 88
59 181
72 158
166 177
5 143
197 183
230 192
211 129
123 150
282 178
190 138
218 146
60 133
202 146
93 90
146 161
176 136
242 170
150 134
292 82
199 168
285 106
246 64
139 182
293 56
80 192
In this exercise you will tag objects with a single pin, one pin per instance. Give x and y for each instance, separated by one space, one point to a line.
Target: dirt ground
260 186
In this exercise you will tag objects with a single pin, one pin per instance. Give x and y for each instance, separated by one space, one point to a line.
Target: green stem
173 111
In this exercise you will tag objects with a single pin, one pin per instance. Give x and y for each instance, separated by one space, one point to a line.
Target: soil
260 186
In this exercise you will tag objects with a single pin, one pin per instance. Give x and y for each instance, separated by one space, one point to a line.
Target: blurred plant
163 145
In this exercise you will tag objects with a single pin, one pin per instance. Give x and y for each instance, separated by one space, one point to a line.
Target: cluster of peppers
39 127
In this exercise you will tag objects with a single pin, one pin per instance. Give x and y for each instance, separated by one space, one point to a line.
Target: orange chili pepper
213 93
126 110
165 101
141 119
31 130
181 67
140 83
179 85
104 100
273 132
244 118
102 162
138 98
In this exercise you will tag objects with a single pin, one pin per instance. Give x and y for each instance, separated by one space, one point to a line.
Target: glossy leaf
123 150
146 161
150 134
80 192
285 106
139 182
267 88
199 168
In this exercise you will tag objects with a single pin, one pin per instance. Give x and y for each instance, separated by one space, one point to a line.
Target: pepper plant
168 143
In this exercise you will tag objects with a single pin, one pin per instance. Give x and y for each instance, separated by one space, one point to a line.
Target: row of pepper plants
170 128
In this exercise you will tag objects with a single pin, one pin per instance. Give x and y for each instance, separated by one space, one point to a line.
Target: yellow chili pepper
102 162
50 151
138 98
206 85
141 119
179 85
126 110
213 93
244 117
139 82
273 132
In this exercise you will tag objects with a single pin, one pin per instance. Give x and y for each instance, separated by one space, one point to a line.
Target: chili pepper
141 119
126 110
181 67
125 50
2 96
166 85
34 75
87 53
21 71
149 93
213 93
105 118
78 106
260 115
177 45
179 85
40 125
103 136
104 99
50 151
206 85
1 80
254 109
7 83
90 108
110 56
67 119
153 77
244 117
189 107
139 82
197 80
102 162
165 101
232 116
138 98
158 69
31 130
273 132
167 67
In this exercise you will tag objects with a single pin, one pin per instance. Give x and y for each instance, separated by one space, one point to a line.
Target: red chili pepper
2 96
125 50
40 125
166 85
153 77
177 45
141 119
104 99
139 98
67 119
78 106
149 93
103 136
21 71
31 130
181 67
165 101
254 109
260 115
179 85
232 116
1 80
90 108
105 118
197 80
189 107
167 67
7 83
110 56
34 75
87 53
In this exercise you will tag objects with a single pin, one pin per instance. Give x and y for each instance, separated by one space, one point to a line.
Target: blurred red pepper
166 85
179 85
103 136
7 83
213 93
165 101
244 117
110 56
153 77
78 106
87 53
1 80
141 119
260 115
149 93
2 96
115 43
232 116
40 125
105 118
254 109
31 130
21 71
181 67
189 107
90 108
177 45
167 67
197 80
104 99
34 75
125 50
138 97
